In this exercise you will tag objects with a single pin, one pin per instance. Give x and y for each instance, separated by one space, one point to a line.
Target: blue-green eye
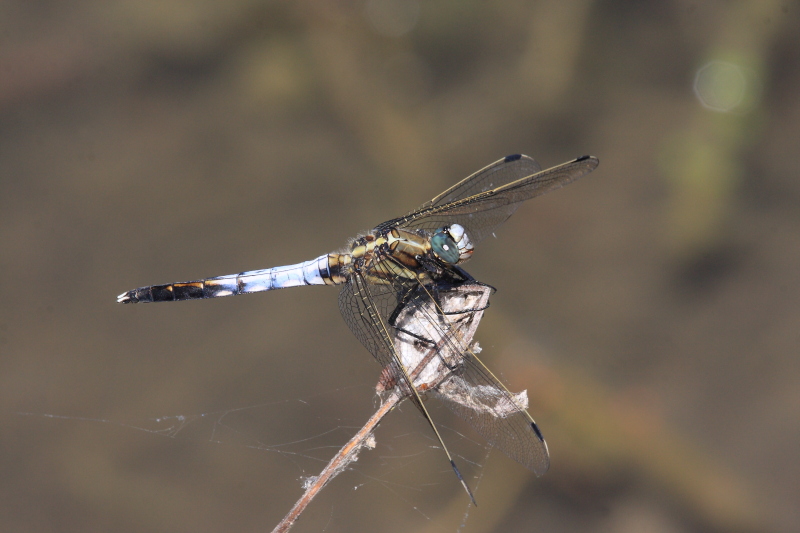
445 247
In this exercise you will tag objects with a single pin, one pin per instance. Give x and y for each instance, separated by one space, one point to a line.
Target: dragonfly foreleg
404 299
416 296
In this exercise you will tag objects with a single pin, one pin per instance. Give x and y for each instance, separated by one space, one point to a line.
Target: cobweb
406 465
402 463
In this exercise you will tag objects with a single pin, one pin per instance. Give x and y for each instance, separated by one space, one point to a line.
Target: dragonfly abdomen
328 269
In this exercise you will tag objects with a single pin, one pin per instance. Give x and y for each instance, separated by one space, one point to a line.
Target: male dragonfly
407 265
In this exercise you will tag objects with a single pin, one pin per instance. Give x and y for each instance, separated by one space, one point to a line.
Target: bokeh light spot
722 86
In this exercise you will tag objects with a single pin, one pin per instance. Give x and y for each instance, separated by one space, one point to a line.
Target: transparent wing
475 394
432 317
483 201
365 306
507 170
385 311
478 397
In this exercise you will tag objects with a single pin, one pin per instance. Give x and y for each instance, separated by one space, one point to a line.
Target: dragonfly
398 284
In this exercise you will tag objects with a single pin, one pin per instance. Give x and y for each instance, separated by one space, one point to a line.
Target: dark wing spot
512 157
583 158
536 430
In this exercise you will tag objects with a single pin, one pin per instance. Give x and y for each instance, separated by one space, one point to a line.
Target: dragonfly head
451 245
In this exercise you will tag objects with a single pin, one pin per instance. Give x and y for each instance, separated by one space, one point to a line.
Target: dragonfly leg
405 298
403 301
440 314
463 273
461 311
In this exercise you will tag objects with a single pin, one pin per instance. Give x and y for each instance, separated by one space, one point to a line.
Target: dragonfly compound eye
444 247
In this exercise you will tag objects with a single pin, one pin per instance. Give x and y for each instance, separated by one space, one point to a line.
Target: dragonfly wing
478 397
475 394
392 315
483 211
365 308
371 302
385 312
429 338
507 170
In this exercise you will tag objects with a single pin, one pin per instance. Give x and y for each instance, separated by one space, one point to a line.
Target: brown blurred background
651 309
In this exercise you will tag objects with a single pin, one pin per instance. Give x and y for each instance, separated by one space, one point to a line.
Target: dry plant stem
340 461
417 359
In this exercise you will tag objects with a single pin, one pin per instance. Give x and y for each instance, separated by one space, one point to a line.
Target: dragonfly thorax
395 253
409 254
